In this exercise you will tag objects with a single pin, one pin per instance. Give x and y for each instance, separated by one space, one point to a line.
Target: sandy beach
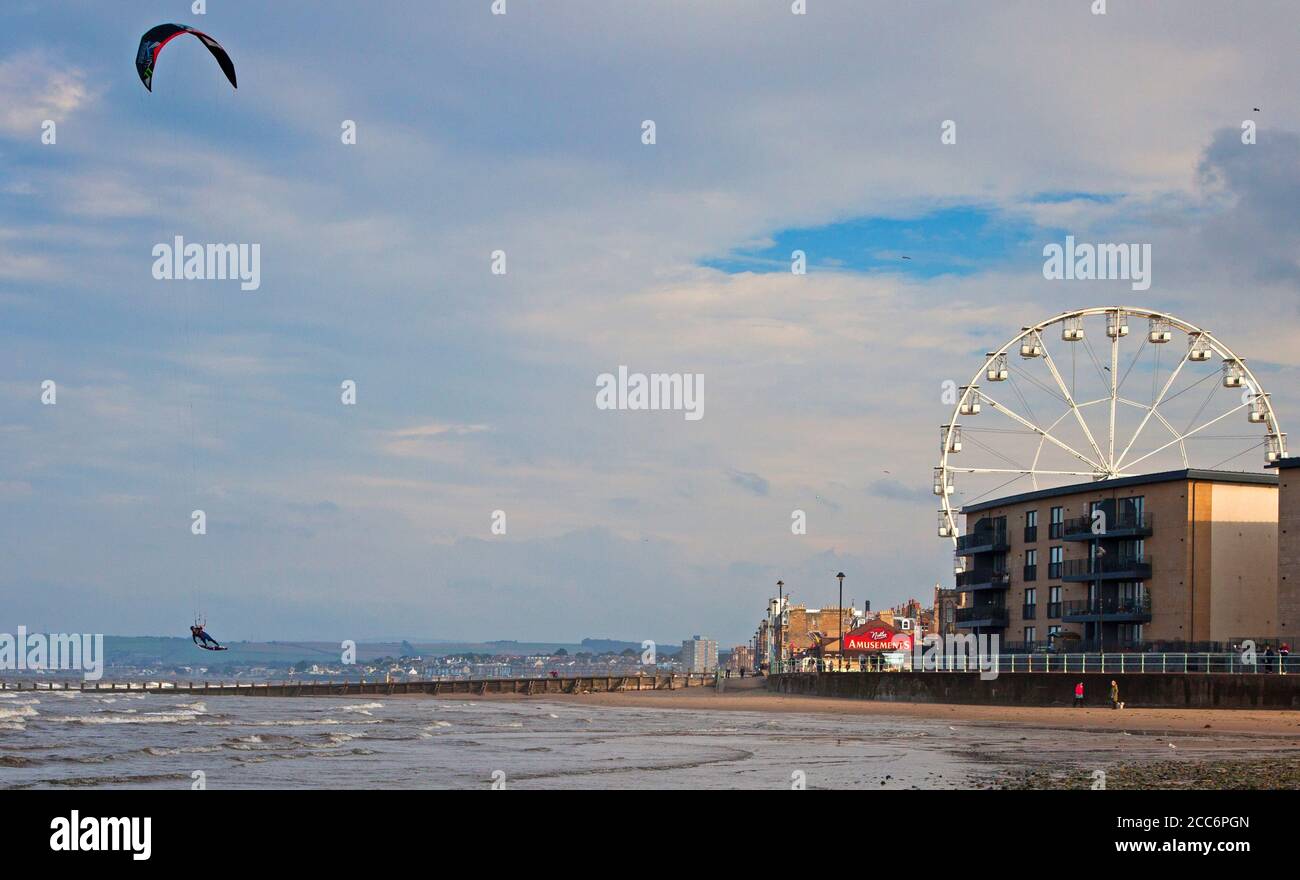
1033 747
1267 723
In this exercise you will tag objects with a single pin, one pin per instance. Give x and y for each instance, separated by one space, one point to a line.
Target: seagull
907 258
1256 109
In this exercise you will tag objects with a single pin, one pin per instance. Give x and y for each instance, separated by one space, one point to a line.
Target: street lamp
840 612
780 630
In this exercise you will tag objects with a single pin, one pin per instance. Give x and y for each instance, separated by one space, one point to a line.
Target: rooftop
1286 463
1139 480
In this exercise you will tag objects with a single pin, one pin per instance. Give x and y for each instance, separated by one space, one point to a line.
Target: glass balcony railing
1107 567
1112 525
1115 608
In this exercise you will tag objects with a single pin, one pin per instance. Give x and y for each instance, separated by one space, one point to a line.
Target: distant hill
171 651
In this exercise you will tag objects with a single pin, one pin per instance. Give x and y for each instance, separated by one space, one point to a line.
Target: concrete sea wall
1151 690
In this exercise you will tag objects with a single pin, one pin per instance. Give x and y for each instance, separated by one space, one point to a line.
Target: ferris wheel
1029 420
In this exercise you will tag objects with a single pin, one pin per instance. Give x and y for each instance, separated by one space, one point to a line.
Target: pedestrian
1283 654
1114 694
1268 659
1078 694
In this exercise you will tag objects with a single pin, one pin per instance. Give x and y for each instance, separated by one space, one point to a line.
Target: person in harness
202 639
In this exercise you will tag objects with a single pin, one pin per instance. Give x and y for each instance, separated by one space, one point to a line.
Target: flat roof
1139 480
1286 463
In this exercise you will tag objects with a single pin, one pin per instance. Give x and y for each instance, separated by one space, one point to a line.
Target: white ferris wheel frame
1101 465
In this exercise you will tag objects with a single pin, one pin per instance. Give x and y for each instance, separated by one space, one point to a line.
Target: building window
1031 636
1030 611
1031 565
1031 526
1058 522
1056 555
1053 601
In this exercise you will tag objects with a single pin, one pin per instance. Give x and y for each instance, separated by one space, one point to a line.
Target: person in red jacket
1078 694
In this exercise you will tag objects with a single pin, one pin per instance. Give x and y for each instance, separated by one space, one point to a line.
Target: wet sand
1282 725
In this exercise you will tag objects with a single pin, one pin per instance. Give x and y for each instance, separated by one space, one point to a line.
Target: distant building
699 655
742 657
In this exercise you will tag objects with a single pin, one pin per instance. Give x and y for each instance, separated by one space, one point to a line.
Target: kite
155 38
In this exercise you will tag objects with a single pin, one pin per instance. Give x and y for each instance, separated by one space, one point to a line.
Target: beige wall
1243 562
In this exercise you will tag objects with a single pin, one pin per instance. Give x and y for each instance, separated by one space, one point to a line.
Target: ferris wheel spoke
1154 405
1181 437
1182 447
1114 387
1069 399
1011 414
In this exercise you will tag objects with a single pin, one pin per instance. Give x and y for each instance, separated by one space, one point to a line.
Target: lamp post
780 630
840 613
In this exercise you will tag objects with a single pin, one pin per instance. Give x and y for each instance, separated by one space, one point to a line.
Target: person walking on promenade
1268 659
1078 694
1114 694
1283 654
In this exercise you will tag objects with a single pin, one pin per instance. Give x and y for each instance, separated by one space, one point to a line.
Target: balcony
1107 568
1031 572
1053 610
1123 525
1029 612
983 579
984 616
1123 609
986 540
1031 534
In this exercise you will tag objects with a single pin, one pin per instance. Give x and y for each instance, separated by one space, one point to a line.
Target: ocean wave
21 711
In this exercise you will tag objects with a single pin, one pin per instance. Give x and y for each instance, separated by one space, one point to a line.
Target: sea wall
1171 690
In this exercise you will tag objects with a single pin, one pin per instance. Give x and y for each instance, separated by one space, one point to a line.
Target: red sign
876 637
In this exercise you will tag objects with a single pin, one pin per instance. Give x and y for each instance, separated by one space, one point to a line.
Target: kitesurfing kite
200 637
155 38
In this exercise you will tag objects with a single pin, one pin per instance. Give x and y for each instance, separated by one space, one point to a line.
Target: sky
523 133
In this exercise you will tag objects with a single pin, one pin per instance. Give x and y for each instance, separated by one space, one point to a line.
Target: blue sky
946 241
475 391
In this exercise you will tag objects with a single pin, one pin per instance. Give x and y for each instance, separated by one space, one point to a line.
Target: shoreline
1279 723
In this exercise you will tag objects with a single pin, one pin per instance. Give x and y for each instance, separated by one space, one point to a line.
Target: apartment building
699 655
1180 557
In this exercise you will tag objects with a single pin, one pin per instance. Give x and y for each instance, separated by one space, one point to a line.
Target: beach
685 739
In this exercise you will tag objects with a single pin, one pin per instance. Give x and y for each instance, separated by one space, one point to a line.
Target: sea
70 739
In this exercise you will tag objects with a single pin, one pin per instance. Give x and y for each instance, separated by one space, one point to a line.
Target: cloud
749 482
36 86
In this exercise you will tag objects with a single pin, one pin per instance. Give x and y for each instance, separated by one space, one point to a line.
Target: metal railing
1125 662
1125 523
1110 564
